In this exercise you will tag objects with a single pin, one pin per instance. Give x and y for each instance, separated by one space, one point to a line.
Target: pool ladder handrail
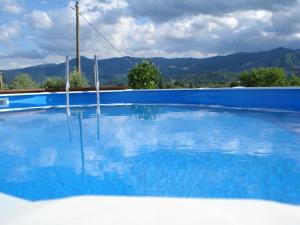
97 86
97 83
67 85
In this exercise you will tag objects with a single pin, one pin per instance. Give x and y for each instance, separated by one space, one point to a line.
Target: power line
104 37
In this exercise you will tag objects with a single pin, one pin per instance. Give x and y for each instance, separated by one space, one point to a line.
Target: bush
78 80
54 82
294 81
23 81
264 77
234 84
144 76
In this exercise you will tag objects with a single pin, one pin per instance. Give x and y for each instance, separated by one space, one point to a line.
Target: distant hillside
116 68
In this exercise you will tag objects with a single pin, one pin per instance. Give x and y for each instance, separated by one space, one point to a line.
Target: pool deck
90 210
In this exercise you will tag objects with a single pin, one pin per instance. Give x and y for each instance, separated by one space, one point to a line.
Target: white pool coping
92 210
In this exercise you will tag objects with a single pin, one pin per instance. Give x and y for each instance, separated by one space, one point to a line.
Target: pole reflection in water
98 122
81 141
79 115
68 112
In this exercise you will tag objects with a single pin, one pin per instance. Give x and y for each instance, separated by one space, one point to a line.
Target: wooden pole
77 39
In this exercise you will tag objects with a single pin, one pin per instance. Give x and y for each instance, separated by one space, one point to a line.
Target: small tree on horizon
23 81
144 75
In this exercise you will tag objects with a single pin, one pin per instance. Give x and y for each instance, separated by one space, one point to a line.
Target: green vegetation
54 82
205 79
144 75
23 81
147 76
268 77
264 77
294 81
78 80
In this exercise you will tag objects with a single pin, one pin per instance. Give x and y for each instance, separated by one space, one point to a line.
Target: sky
36 32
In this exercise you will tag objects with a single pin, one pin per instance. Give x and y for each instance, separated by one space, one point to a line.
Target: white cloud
199 35
10 6
40 20
9 31
182 32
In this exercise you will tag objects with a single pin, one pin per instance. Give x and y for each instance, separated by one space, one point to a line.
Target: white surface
145 211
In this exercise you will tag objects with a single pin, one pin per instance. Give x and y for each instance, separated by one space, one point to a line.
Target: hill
115 69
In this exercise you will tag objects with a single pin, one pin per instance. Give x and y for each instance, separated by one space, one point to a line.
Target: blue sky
43 31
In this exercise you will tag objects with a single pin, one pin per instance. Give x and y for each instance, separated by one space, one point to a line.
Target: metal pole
97 83
1 81
77 38
67 85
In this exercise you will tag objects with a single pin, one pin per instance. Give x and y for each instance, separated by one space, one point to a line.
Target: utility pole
77 38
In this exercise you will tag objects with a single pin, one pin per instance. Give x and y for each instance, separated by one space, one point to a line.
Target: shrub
144 76
234 84
78 80
264 77
54 82
23 81
294 81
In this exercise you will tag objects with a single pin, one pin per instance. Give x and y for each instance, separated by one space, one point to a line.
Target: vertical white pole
67 85
97 83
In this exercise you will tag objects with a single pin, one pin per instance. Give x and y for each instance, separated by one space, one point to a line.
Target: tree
54 82
78 80
23 81
144 76
263 77
294 81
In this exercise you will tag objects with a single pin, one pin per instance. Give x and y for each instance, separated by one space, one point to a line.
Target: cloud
165 10
198 30
167 28
40 20
60 37
9 31
28 54
11 6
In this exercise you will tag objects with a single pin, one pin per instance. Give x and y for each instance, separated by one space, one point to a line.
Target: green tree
264 77
54 82
294 81
144 76
23 81
78 80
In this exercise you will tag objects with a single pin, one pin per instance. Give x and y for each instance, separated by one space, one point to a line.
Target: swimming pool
157 148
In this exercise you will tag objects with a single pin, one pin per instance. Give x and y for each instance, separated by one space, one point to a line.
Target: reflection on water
146 112
151 150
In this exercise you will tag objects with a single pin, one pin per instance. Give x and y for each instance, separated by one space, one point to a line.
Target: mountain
116 68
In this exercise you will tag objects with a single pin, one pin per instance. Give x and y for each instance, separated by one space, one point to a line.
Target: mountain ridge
113 69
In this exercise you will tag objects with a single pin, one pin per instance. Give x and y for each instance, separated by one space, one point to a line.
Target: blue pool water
151 150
